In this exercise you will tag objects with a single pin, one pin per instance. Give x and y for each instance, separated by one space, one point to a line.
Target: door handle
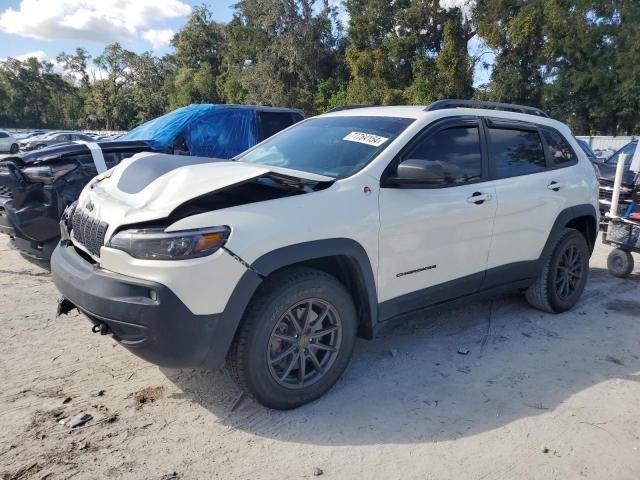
479 198
555 186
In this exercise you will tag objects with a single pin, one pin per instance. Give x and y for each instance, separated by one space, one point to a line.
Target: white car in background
8 143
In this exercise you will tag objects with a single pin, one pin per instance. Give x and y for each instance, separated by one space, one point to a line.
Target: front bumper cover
146 317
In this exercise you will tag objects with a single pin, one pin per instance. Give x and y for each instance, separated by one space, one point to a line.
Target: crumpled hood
149 186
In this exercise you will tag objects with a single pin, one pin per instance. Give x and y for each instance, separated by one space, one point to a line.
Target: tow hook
101 328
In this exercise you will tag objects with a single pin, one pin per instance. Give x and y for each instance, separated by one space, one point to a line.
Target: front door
435 239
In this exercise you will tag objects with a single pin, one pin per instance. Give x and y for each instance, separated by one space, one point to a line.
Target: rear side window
516 152
457 149
561 153
3 135
273 122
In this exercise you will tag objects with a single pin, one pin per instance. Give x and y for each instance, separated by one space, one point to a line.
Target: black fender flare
291 255
563 219
332 247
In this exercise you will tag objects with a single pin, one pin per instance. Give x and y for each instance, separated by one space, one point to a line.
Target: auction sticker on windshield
366 138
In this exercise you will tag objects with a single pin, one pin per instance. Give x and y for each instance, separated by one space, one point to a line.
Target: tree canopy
574 58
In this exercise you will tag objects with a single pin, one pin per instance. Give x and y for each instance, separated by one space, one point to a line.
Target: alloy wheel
304 343
569 272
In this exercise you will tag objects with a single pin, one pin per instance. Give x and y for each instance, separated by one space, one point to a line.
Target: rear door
531 192
435 239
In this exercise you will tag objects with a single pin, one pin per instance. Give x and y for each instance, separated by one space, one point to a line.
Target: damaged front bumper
145 317
29 212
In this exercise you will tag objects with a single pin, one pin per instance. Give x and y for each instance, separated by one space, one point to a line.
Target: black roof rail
347 107
509 107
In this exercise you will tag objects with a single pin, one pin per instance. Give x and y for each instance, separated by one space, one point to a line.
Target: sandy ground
538 396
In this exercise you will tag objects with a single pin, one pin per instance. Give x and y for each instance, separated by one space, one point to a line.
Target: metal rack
451 103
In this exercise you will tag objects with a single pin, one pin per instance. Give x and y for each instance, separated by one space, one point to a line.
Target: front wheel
620 263
563 275
14 148
296 339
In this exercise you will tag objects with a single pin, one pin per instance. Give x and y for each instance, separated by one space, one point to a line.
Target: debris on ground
169 476
148 395
76 421
317 472
463 351
66 400
394 352
544 449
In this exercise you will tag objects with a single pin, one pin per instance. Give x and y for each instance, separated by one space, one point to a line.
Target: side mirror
424 172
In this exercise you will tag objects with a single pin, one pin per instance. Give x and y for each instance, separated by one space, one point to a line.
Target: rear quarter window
561 152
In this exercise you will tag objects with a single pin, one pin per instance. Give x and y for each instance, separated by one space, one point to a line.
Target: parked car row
250 236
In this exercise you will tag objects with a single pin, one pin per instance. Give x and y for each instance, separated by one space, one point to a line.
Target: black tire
563 275
14 148
252 358
620 263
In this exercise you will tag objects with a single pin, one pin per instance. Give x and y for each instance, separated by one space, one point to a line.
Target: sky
44 28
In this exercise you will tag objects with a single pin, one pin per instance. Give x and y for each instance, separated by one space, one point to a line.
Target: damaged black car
36 187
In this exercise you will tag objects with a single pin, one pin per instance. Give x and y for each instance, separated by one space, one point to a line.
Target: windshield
332 146
629 149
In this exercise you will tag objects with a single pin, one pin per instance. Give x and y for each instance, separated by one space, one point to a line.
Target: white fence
606 143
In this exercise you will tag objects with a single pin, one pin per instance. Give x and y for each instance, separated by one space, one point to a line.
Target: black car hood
608 173
61 151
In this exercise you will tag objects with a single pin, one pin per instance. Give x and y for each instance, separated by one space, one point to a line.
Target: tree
108 101
197 60
281 51
514 29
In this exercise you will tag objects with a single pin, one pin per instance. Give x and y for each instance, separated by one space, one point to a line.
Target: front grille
606 191
88 231
5 191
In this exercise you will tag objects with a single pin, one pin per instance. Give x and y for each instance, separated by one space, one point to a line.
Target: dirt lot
538 396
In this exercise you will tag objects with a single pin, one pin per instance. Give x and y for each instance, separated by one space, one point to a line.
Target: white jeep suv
277 260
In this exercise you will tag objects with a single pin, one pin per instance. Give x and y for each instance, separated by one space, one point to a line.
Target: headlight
48 174
156 244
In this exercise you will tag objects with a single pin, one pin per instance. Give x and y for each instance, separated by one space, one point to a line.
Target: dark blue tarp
217 131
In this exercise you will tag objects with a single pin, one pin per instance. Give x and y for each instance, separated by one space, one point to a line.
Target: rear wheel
296 339
563 276
620 263
14 148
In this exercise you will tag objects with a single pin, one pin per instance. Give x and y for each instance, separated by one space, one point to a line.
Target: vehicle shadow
413 383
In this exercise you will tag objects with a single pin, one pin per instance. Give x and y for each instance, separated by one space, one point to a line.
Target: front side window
561 153
333 146
516 152
457 149
3 135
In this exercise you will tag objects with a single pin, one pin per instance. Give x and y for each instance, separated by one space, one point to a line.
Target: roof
420 112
